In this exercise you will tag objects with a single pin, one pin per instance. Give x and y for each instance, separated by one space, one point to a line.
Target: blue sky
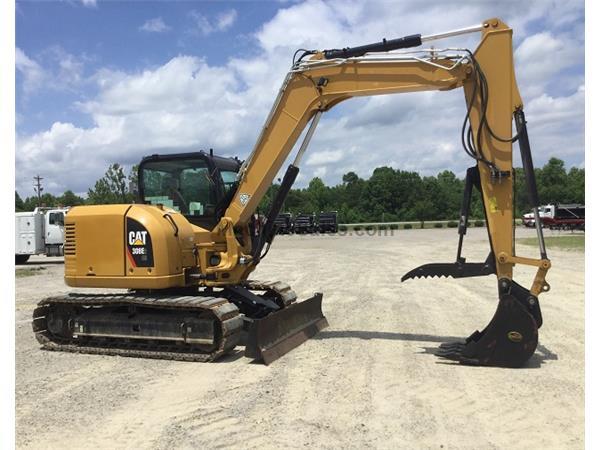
112 35
101 82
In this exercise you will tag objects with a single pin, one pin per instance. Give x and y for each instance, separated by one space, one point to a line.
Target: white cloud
54 69
319 172
208 25
89 3
542 56
226 19
186 104
33 74
156 25
325 157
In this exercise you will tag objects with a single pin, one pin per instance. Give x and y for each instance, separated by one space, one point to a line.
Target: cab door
55 228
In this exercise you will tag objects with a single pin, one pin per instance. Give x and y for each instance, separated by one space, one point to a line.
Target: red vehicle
564 217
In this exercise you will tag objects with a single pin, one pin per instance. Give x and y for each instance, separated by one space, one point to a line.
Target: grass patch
574 242
21 273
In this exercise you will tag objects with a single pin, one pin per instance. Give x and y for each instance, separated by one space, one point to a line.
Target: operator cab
198 185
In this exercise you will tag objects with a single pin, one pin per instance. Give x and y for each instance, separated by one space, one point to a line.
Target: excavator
183 253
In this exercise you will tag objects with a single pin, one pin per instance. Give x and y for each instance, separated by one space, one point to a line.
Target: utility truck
39 232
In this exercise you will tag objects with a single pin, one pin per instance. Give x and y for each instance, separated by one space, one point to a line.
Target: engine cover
127 246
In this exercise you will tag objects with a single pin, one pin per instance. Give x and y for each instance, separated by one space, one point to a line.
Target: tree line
388 195
112 188
391 195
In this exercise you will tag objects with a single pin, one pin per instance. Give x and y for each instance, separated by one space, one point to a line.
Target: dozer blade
278 333
510 338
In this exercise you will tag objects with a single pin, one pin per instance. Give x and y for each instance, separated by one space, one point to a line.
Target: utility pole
37 187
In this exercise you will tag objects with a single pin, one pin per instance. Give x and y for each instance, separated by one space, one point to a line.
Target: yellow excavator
185 251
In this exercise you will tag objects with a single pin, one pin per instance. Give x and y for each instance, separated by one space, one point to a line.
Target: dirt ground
367 381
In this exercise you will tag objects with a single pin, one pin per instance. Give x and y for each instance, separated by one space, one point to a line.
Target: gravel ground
367 381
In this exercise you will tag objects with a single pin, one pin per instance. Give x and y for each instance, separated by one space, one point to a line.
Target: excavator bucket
510 338
273 336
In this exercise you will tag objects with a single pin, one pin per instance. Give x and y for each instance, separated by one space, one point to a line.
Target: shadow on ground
384 335
541 355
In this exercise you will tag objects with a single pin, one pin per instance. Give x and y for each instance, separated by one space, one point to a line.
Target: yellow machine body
150 247
101 250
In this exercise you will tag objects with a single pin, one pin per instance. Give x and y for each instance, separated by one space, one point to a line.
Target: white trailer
40 232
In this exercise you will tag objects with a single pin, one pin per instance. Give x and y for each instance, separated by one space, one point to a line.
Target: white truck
40 232
558 216
543 211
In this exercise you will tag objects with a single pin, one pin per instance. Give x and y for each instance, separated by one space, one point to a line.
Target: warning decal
139 244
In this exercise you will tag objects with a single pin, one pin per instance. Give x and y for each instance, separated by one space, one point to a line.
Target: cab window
229 180
56 218
184 185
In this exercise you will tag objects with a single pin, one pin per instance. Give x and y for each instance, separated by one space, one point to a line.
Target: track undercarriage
189 326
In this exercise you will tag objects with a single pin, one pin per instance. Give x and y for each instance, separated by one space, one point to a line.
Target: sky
99 82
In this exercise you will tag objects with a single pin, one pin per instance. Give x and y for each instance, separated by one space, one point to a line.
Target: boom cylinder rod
413 40
458 32
307 138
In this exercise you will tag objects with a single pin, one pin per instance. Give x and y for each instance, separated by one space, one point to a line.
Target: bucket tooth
278 333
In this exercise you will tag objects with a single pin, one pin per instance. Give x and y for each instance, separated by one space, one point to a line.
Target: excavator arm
326 78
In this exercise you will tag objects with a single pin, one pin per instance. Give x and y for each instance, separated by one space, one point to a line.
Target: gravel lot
367 381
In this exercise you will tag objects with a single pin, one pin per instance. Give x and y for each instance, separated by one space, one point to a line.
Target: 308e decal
139 244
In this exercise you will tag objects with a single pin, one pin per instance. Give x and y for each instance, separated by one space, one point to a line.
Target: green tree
382 193
111 188
70 199
576 185
19 204
133 180
423 210
448 195
393 195
30 203
552 181
49 200
317 194
267 200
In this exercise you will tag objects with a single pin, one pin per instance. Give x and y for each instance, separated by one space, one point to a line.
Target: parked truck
284 223
305 223
559 217
39 232
328 222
